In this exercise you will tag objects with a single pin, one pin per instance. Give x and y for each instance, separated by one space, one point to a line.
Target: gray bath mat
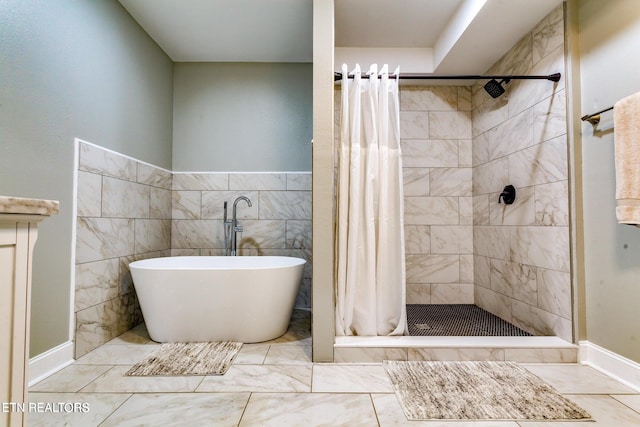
198 358
476 391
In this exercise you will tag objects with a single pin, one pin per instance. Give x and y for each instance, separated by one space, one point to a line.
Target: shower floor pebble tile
276 384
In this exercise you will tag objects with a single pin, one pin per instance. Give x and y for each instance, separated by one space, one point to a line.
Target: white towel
627 159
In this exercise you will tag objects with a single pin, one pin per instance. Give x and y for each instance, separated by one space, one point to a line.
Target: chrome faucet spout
235 227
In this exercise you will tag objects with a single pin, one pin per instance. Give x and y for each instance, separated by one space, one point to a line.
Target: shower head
494 88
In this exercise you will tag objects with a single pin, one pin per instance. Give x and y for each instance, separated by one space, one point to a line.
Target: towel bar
594 118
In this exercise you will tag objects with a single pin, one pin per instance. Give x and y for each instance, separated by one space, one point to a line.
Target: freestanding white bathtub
217 298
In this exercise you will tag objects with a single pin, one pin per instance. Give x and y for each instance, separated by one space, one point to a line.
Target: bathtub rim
192 262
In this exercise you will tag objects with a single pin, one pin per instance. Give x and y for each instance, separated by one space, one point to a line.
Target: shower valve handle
508 195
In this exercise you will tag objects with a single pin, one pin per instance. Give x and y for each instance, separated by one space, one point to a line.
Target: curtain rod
411 76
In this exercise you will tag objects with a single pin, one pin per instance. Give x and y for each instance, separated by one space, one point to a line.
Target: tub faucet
235 227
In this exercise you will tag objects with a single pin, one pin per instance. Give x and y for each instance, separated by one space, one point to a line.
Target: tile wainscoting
129 210
277 223
123 214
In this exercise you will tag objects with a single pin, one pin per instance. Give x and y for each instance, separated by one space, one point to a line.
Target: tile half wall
128 210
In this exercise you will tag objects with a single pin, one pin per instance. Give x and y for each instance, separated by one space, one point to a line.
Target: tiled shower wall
460 148
435 133
129 210
522 250
124 214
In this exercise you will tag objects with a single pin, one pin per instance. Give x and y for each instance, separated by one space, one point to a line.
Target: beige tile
180 409
252 354
309 409
257 181
425 153
115 381
299 337
451 239
414 125
573 379
415 181
417 239
606 411
88 409
70 379
289 355
452 293
368 355
260 378
541 355
632 401
419 98
126 354
450 125
105 162
89 197
337 378
451 182
456 354
137 335
390 414
433 268
418 293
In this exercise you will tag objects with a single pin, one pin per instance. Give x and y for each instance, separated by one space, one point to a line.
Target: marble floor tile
260 378
573 378
390 414
350 378
289 355
293 337
114 381
632 401
180 409
276 384
92 408
137 335
309 409
116 355
252 354
604 410
71 379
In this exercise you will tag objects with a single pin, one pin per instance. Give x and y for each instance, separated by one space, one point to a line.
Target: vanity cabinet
19 220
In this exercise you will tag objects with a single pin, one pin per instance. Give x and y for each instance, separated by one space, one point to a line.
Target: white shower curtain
370 290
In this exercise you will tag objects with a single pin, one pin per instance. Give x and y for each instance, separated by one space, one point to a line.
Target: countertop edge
26 206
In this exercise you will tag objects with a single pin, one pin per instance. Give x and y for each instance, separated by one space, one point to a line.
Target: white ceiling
430 36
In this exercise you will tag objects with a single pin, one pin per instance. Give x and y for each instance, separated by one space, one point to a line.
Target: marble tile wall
436 135
521 251
128 210
277 223
123 214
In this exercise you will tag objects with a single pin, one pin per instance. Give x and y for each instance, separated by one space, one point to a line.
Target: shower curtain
370 271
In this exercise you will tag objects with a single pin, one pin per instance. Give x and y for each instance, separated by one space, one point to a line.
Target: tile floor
276 384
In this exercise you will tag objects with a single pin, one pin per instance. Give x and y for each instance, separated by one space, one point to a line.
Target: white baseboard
50 362
622 369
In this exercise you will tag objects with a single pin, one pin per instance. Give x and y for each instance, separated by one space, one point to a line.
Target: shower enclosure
461 147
